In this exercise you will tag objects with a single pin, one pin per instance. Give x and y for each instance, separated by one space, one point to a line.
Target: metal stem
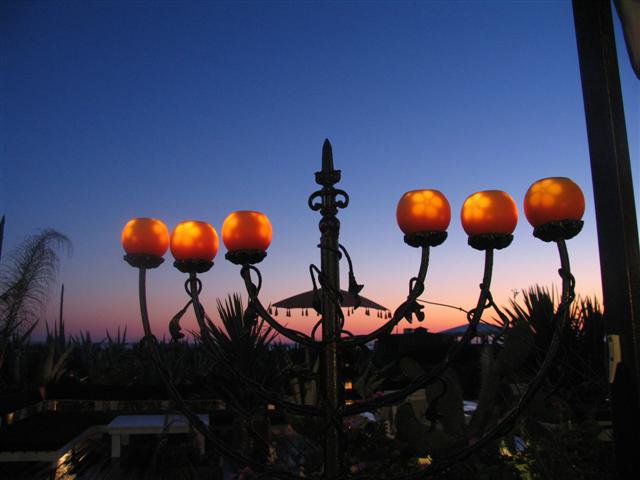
197 307
182 406
289 333
253 385
400 312
434 374
560 319
507 421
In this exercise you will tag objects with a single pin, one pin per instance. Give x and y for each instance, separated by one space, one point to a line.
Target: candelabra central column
330 304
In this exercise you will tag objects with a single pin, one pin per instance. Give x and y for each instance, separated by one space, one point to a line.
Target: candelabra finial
327 176
327 156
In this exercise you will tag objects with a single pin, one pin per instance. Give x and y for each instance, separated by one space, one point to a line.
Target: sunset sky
190 110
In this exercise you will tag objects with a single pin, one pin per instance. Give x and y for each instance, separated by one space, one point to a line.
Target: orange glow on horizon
194 240
489 211
246 230
145 236
123 311
552 199
423 211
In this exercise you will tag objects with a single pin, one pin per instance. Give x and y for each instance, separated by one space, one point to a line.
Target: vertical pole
61 304
1 234
61 319
615 215
329 263
330 229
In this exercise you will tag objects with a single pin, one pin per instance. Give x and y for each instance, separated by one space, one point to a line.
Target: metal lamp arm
404 309
253 291
253 385
194 287
193 419
427 378
507 421
560 320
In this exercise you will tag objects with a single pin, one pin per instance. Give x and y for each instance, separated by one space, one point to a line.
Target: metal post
330 281
615 215
1 234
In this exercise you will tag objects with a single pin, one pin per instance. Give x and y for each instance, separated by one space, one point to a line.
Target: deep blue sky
190 110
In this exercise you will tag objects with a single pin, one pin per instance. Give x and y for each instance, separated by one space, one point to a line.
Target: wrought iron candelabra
554 206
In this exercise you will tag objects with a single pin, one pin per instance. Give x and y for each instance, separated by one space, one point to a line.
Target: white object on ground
123 426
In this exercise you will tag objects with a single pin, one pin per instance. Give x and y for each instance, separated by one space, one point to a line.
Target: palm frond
26 277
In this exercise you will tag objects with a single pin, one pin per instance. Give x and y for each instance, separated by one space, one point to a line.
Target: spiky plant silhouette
243 339
241 347
25 280
580 367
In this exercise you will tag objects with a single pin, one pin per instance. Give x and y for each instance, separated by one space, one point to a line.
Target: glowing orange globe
553 199
423 211
146 236
489 211
246 230
193 240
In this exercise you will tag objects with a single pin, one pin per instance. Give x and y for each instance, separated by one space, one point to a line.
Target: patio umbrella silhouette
305 301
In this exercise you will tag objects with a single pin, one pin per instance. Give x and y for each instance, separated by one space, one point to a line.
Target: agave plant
586 356
243 340
588 325
58 352
55 363
580 366
537 309
240 346
86 357
576 388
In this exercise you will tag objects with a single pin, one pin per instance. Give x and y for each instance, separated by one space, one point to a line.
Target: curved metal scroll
253 385
506 422
219 444
253 291
433 375
405 309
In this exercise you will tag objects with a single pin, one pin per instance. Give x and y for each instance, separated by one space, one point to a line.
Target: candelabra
554 206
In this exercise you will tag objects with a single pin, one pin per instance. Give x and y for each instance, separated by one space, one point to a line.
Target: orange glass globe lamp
194 245
247 234
145 241
489 218
554 207
423 216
